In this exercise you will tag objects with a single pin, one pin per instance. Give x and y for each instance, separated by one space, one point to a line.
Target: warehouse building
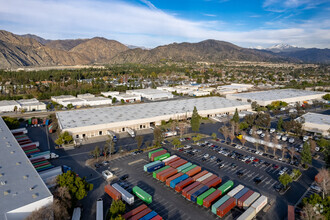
316 123
86 123
130 98
81 100
26 104
264 98
110 93
151 94
233 88
22 190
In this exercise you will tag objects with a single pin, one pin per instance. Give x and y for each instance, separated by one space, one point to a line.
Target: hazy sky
248 23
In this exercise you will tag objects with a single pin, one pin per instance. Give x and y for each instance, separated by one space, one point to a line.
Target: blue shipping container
178 180
241 193
194 196
47 122
149 216
150 164
155 167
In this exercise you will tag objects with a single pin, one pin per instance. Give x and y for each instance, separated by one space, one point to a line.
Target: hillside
312 55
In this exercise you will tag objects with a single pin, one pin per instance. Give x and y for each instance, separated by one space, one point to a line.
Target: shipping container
183 184
219 203
154 151
126 196
188 188
226 207
241 193
163 172
199 192
168 180
140 214
213 183
250 200
174 182
152 168
291 214
249 214
241 200
30 121
99 209
194 171
212 177
201 197
112 192
149 216
178 163
207 202
200 179
134 211
235 190
167 175
260 203
157 217
184 166
162 157
142 194
199 175
170 158
193 191
154 174
154 155
145 167
189 168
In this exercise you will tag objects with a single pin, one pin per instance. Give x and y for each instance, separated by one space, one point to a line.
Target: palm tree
292 152
275 142
283 151
225 132
232 134
256 137
267 140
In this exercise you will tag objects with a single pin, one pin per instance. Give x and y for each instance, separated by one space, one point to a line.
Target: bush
12 123
64 138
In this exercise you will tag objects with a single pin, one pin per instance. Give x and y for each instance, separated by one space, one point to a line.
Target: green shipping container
226 186
154 151
142 194
29 121
201 198
188 168
162 157
160 170
184 166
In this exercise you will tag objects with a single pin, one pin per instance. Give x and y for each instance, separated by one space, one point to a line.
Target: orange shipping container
200 175
168 180
194 171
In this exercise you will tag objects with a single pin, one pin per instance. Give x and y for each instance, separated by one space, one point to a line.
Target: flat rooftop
8 102
315 118
276 94
20 182
106 115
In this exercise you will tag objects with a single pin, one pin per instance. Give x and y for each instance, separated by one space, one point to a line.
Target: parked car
240 173
233 165
105 163
206 156
124 177
316 188
218 160
213 158
259 132
279 187
272 130
284 138
107 174
262 135
291 140
278 137
257 180
221 165
305 138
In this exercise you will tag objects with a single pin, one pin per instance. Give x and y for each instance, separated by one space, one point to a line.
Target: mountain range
31 50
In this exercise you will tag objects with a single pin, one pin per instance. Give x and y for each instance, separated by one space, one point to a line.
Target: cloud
141 24
284 5
210 15
149 4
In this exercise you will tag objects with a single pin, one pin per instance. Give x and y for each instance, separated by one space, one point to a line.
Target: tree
195 120
283 151
12 123
197 138
109 142
285 179
96 152
182 127
243 140
64 138
275 143
176 142
77 186
225 132
256 137
158 136
309 213
114 100
243 125
15 109
214 136
292 152
139 141
117 208
249 119
313 145
280 124
236 116
306 155
69 106
106 151
147 143
325 183
232 134
267 140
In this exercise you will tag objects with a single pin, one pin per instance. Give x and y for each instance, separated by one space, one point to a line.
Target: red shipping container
167 175
241 200
200 175
209 179
194 171
226 207
193 190
183 184
291 214
140 214
164 171
178 163
188 188
172 161
112 192
214 182
134 211
157 154
168 180
207 202
157 217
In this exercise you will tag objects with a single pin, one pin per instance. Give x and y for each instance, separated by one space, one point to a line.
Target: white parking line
272 184
264 181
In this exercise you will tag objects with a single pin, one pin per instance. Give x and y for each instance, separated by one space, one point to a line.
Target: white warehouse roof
21 185
107 115
317 118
